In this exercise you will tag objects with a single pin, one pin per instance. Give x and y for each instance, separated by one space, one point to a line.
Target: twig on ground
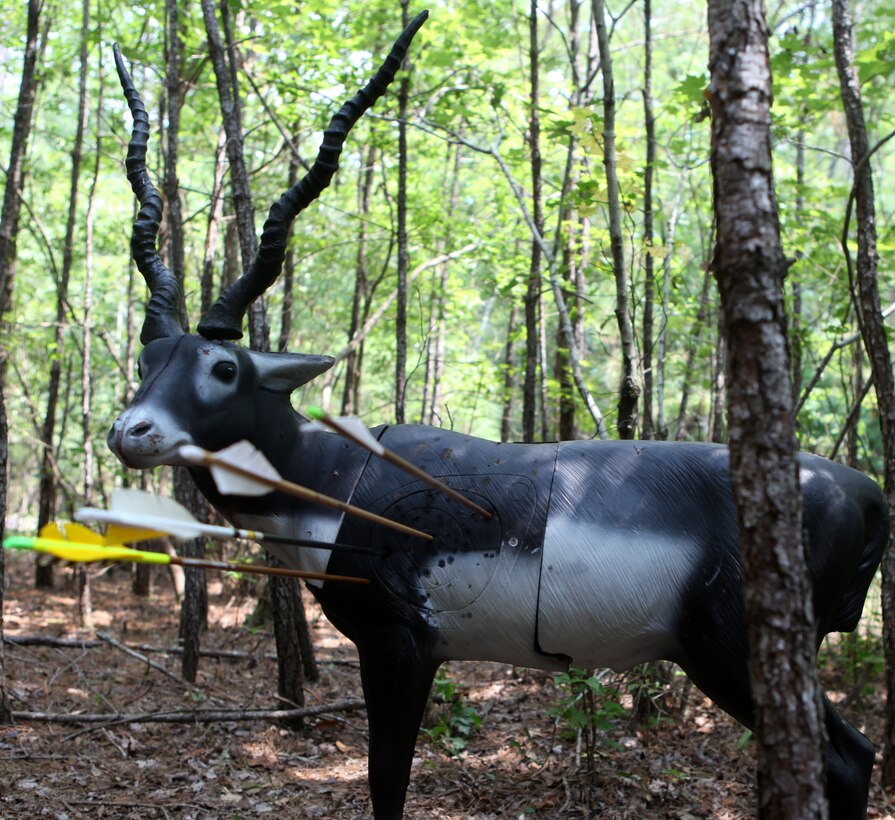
104 636
190 716
79 643
47 640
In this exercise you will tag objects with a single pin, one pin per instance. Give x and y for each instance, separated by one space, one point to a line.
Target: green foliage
857 658
451 719
587 710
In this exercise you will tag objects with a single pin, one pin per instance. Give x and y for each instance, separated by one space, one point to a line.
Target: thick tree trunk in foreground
749 266
874 334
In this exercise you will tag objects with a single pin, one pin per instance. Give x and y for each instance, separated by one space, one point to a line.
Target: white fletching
136 508
247 457
355 429
192 454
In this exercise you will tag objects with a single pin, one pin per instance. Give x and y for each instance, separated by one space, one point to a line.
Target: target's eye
224 371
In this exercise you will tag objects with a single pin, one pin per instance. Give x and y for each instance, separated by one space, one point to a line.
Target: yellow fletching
68 531
119 534
84 553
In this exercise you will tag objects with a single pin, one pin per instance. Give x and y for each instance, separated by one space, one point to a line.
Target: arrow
352 428
88 552
136 515
242 469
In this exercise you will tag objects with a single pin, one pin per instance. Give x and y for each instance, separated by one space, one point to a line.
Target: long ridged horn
224 319
163 310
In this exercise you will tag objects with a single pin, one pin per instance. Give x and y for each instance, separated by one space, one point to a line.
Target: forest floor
519 762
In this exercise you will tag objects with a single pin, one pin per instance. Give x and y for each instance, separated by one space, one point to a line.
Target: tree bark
174 95
288 275
215 217
629 390
46 505
9 226
5 706
432 392
289 618
681 432
509 365
661 342
873 332
15 172
749 267
225 69
228 97
533 291
361 300
403 253
85 602
647 427
194 607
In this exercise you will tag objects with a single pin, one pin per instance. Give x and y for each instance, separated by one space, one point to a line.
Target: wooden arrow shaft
422 475
402 463
260 569
313 496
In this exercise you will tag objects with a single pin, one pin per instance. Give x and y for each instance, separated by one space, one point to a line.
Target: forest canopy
485 352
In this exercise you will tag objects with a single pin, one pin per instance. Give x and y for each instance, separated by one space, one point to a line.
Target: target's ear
285 372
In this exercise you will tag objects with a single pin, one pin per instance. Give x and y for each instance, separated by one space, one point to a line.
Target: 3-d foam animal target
591 553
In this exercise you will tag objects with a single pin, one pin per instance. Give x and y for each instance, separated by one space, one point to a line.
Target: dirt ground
520 762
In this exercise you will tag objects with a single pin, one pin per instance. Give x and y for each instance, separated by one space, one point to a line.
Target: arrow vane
136 515
242 469
354 430
81 552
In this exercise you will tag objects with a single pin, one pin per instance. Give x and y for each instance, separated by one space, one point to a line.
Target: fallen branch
103 636
193 716
84 643
46 640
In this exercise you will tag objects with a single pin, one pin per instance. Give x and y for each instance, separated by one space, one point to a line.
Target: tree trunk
288 275
174 95
85 603
873 332
194 608
354 360
228 97
629 390
661 343
509 365
15 172
403 253
432 393
648 429
295 651
716 431
215 217
750 267
9 226
533 292
46 505
225 69
5 706
681 427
